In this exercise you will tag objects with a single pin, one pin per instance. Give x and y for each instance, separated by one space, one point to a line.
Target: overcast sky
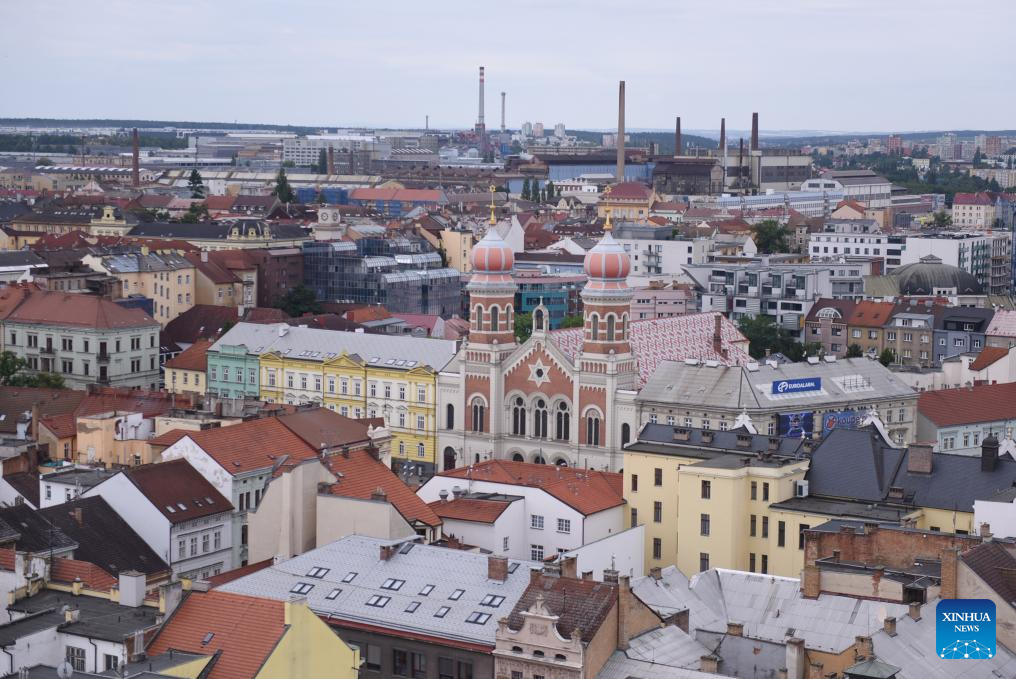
802 64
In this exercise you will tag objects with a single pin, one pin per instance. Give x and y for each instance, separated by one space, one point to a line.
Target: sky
848 65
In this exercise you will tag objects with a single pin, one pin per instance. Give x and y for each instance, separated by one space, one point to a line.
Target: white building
862 185
856 237
524 510
178 513
68 483
307 150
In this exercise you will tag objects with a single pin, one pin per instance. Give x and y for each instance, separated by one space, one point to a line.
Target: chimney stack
331 160
497 568
754 131
989 453
677 137
479 119
919 458
502 113
620 132
723 135
136 161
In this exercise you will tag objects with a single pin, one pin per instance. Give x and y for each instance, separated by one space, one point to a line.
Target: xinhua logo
965 629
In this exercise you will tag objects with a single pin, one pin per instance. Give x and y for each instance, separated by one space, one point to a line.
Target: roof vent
752 366
691 361
712 364
813 360
830 358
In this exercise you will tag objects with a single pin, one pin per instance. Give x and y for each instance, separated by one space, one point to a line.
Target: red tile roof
584 490
69 570
178 490
871 314
14 401
220 202
11 297
470 509
988 356
853 204
201 320
148 403
212 270
237 573
64 308
61 426
972 199
194 357
244 630
627 191
986 403
260 314
245 447
360 475
323 428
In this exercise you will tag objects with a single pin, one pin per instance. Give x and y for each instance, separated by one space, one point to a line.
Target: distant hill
143 124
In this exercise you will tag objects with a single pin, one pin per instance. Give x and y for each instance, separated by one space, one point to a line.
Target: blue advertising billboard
841 419
798 385
794 425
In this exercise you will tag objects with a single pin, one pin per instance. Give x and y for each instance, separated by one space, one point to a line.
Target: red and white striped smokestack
754 131
479 120
136 161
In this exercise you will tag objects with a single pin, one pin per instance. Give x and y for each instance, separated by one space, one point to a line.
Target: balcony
102 357
47 350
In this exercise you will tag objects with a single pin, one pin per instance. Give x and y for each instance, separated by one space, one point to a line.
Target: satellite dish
65 670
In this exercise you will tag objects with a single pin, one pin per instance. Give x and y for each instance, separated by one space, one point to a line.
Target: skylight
492 600
413 605
378 601
182 506
478 618
302 588
392 584
427 589
513 566
317 572
457 594
333 594
207 638
170 509
442 612
349 576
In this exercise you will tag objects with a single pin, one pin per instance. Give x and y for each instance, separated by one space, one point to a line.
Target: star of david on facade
539 373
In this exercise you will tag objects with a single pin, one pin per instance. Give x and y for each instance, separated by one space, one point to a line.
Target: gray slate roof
315 344
418 566
844 381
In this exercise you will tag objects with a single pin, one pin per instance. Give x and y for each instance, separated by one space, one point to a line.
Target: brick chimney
754 131
331 160
387 552
863 648
919 458
570 567
735 629
950 563
811 582
678 620
136 161
710 664
497 568
79 516
915 610
889 625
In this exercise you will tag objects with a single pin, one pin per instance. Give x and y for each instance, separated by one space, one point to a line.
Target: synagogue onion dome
492 254
607 265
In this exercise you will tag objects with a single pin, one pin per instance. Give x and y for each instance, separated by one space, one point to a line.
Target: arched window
478 415
518 417
540 419
625 433
478 317
517 457
562 422
611 319
494 318
538 320
624 327
539 459
450 416
421 450
561 462
592 429
594 323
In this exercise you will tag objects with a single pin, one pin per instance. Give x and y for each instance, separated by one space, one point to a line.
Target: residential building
973 211
960 330
536 510
226 235
784 291
84 338
225 278
986 256
792 399
165 278
67 483
238 461
866 326
662 300
910 334
274 640
566 626
178 513
406 607
279 270
858 237
234 367
1002 329
826 324
626 201
185 373
959 420
94 220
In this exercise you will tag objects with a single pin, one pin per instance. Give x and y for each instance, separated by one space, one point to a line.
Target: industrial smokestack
480 125
331 159
426 123
723 136
677 137
502 114
136 161
754 131
620 132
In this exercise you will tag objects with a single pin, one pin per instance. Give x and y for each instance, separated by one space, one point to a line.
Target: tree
575 321
941 220
552 191
763 333
197 212
526 191
288 163
282 189
771 236
523 326
855 351
10 365
322 162
12 374
299 301
43 161
196 184
887 356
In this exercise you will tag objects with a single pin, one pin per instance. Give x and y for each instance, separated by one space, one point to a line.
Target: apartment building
166 278
973 211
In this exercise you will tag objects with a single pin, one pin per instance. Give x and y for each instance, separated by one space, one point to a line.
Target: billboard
841 419
796 425
797 386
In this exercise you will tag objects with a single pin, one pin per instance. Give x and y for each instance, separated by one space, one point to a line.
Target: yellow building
165 277
360 375
185 372
276 640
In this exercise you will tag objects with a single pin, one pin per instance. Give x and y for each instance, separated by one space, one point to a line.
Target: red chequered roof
583 490
470 509
245 447
1003 323
360 475
244 629
670 339
69 570
969 405
988 356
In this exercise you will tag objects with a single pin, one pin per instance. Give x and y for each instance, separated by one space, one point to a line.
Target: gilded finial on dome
493 219
607 226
